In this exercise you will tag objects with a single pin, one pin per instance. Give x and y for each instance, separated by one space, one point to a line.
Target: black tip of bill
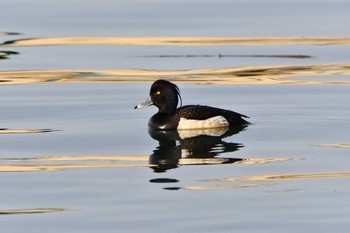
147 103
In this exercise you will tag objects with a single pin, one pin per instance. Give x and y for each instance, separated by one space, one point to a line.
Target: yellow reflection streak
32 211
70 162
336 145
36 168
251 161
180 41
56 163
82 158
264 178
10 33
234 75
279 177
222 186
24 131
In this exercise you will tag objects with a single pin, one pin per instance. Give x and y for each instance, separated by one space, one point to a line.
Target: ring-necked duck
165 95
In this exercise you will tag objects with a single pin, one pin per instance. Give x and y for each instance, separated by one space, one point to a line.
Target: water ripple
31 211
234 75
335 145
25 131
281 177
263 180
57 163
10 33
5 54
179 41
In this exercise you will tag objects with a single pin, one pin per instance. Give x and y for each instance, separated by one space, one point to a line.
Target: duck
165 96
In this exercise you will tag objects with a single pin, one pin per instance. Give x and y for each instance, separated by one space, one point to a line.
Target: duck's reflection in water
192 147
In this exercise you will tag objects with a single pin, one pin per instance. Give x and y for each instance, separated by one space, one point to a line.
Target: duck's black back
200 112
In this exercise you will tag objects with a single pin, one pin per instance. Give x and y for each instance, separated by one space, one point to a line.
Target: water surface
75 155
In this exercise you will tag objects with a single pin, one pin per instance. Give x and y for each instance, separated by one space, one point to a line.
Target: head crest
178 93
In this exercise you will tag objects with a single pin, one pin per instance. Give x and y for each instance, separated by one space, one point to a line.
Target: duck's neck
168 109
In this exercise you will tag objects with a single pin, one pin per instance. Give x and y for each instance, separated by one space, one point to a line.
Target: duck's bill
147 103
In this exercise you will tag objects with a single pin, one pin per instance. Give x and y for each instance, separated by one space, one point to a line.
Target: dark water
76 157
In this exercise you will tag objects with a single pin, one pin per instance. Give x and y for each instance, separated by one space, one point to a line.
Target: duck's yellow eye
158 93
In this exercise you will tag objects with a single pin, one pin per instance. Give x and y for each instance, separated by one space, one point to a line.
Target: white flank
214 122
191 133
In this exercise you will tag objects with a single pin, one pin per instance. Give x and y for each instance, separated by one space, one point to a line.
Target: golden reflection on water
10 33
234 75
24 131
265 178
179 41
70 162
221 186
74 162
5 54
266 160
279 177
32 211
336 145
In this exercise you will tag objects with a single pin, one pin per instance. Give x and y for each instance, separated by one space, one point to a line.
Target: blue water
90 164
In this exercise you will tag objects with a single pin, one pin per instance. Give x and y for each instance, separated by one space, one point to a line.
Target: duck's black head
163 94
